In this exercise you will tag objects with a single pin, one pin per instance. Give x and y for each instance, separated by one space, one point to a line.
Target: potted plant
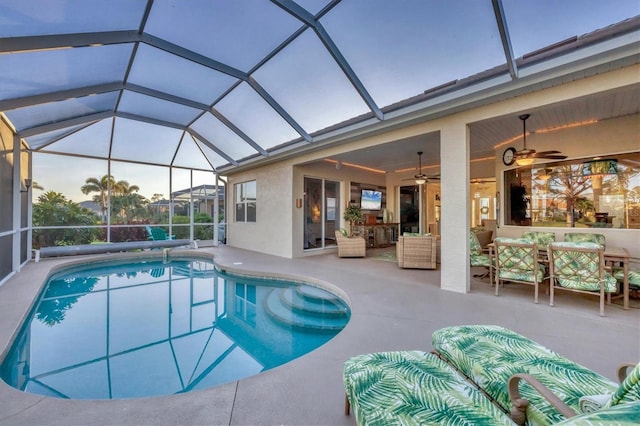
353 215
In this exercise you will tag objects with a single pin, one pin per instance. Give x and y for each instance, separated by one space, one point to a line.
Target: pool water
142 329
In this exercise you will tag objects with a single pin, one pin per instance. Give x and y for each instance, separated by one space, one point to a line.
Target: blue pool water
131 330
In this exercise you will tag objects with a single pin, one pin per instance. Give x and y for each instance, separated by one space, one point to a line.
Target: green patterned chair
413 388
517 261
478 257
579 267
634 273
461 385
467 348
585 237
542 239
619 415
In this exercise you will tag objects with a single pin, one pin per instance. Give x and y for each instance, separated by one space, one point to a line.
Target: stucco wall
272 231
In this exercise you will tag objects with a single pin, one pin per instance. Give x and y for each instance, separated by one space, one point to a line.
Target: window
245 303
246 201
588 193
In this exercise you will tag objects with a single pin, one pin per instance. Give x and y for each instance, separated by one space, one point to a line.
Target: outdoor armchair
478 257
417 252
580 267
517 261
158 234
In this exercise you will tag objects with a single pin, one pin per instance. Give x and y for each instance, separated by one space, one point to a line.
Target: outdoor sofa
484 374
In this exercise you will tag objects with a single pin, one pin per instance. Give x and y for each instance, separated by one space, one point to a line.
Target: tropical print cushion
542 239
490 355
619 415
480 260
477 257
474 244
575 237
414 388
634 276
580 270
517 262
629 389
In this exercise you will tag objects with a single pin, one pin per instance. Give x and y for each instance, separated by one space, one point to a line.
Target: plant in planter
353 215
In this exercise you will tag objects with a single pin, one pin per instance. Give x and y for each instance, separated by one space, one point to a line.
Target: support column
17 204
454 222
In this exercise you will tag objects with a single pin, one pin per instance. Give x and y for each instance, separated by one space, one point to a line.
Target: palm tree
102 186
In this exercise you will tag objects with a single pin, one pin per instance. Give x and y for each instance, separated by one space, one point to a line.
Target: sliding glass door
321 212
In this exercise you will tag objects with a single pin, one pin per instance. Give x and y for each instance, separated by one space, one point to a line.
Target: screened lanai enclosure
118 114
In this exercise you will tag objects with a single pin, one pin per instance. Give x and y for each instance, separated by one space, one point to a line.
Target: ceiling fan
526 156
421 178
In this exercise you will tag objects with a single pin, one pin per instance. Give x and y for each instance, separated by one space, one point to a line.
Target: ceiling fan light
420 181
525 161
545 174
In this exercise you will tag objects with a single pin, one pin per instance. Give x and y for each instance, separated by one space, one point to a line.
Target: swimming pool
127 330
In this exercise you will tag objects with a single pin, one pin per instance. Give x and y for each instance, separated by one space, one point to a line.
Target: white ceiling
485 135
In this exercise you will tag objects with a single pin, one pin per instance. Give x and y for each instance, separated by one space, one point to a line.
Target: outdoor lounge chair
158 234
350 246
477 381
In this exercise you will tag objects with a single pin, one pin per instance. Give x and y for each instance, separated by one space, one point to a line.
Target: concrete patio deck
391 309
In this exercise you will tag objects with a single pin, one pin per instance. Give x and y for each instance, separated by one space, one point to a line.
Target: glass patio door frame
319 211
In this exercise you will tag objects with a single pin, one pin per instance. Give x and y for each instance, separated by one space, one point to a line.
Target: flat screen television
371 200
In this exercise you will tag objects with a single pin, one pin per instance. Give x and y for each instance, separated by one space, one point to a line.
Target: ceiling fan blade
526 153
552 155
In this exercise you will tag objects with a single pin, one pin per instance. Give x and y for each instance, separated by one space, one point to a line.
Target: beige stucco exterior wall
279 227
272 231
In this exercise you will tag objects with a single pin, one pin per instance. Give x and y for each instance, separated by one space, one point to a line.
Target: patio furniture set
485 374
581 263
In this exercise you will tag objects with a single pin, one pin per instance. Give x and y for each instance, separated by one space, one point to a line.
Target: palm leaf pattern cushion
634 276
414 388
475 249
619 415
629 390
585 237
516 262
580 270
490 355
542 239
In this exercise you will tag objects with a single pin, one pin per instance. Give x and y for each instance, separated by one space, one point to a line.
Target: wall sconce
298 203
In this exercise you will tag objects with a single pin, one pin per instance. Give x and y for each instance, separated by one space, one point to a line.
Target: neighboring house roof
96 208
200 192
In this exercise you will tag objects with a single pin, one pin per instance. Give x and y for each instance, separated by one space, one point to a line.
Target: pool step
305 309
311 301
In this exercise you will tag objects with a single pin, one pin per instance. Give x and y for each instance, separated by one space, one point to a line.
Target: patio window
589 193
246 201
